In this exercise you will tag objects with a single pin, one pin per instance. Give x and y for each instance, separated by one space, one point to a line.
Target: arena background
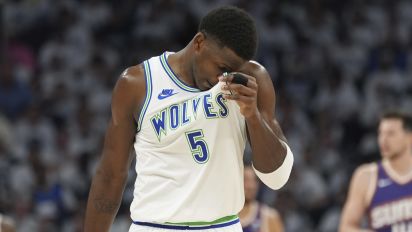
336 66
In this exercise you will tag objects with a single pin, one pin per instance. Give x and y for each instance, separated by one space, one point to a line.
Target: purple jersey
391 207
255 225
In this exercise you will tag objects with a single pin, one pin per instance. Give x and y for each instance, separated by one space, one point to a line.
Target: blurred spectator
15 95
256 216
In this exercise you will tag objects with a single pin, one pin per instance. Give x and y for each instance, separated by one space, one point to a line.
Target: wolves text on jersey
177 115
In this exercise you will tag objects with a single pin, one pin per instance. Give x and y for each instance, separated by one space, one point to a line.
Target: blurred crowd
336 66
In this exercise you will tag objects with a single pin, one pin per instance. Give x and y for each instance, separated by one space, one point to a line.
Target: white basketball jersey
189 148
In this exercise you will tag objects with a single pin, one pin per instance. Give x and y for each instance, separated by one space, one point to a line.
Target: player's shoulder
366 168
364 181
130 88
365 172
131 80
133 75
255 69
269 212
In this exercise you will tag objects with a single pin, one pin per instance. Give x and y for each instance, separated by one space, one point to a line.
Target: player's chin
388 155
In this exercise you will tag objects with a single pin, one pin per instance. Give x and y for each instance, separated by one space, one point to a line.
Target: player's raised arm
109 181
271 156
358 199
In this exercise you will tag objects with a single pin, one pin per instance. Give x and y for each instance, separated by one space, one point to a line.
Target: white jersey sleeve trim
148 96
278 178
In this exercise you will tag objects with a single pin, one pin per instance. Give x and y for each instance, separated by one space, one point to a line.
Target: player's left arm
271 156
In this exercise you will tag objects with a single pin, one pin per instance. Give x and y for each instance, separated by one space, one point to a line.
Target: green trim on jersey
172 75
149 87
215 222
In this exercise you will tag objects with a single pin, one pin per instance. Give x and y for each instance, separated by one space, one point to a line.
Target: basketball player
383 190
255 216
189 123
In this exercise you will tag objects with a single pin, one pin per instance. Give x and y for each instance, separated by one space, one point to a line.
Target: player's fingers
225 77
239 98
251 83
250 78
240 89
228 78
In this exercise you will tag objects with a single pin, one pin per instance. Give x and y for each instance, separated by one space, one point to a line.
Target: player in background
255 216
382 191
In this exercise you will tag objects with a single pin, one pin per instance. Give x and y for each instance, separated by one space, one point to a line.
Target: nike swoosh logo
163 95
384 182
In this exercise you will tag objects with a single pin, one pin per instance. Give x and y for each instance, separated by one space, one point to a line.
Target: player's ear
199 41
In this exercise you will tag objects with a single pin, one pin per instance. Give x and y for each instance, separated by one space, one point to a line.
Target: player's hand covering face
243 89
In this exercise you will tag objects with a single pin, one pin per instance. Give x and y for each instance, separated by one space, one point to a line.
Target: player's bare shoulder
270 212
365 172
364 180
255 69
133 77
130 89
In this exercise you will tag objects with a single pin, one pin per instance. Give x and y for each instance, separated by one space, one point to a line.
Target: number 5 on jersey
198 146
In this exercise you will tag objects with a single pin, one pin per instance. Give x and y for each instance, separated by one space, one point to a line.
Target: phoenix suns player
382 191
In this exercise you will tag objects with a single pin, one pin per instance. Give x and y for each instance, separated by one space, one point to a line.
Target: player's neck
180 65
402 164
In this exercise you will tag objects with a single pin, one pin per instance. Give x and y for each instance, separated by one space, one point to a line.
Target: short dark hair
231 27
403 116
